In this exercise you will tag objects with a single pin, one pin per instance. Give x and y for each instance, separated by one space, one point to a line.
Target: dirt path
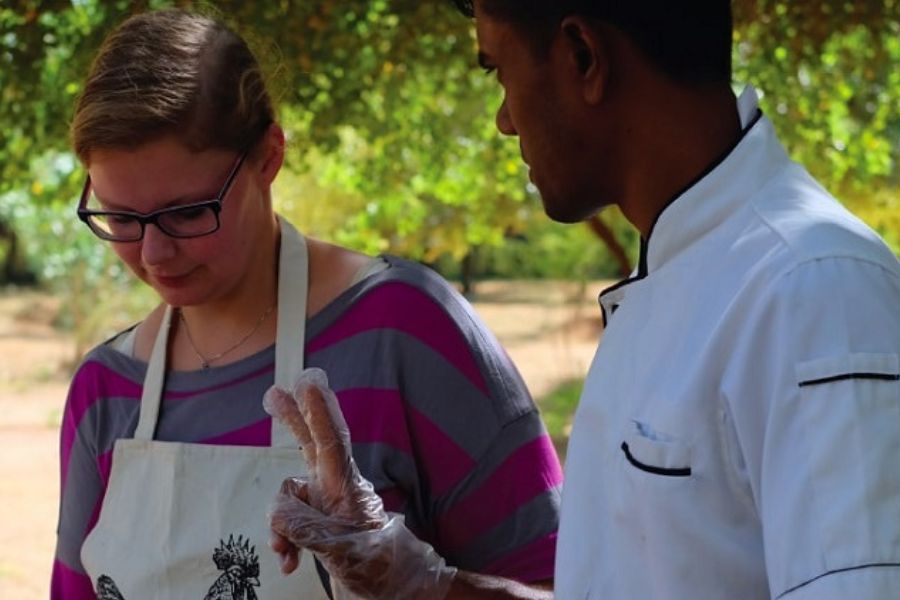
550 330
32 392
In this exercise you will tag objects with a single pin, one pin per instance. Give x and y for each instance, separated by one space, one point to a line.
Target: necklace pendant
205 362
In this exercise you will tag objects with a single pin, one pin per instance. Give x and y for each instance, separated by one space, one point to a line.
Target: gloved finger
290 561
281 405
297 488
320 409
303 525
360 505
316 378
288 554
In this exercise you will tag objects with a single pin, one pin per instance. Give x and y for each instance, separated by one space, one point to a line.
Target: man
739 427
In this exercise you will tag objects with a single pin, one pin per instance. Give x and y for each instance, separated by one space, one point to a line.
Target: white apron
189 521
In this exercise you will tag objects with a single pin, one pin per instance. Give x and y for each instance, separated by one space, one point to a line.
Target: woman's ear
271 154
587 57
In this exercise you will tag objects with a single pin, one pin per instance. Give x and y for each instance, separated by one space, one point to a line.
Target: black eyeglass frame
215 204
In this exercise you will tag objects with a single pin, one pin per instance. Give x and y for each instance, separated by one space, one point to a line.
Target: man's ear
587 55
271 153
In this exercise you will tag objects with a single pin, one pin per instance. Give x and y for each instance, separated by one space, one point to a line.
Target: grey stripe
124 365
76 507
214 414
108 420
386 467
425 380
531 522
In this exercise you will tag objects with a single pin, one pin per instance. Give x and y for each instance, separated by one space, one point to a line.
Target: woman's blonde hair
177 73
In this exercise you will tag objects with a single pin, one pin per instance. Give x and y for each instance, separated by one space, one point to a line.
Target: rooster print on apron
188 521
240 574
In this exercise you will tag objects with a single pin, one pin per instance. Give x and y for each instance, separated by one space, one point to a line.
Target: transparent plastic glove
336 513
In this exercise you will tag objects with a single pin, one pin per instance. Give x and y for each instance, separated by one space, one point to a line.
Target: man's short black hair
690 41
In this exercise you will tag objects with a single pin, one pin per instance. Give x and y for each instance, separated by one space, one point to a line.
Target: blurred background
392 149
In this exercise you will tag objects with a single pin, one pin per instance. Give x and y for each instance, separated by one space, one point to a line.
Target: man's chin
562 211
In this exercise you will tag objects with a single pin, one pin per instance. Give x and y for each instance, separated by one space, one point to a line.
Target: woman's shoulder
417 276
145 333
408 298
125 352
406 289
413 298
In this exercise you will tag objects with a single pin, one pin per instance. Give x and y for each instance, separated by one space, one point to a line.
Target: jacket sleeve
820 421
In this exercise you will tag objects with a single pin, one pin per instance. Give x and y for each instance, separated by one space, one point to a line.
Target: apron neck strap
293 288
154 380
290 340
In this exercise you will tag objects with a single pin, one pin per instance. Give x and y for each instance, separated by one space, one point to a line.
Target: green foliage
830 72
100 295
548 250
45 49
557 409
881 210
400 126
390 125
382 102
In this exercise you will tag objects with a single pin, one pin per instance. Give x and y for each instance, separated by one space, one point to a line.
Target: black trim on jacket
645 242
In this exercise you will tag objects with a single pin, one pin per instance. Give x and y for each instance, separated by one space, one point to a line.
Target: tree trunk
602 231
467 273
14 269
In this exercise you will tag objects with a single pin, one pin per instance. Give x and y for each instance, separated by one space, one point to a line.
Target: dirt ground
550 330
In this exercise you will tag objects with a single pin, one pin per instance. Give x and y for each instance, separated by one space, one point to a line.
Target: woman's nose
156 247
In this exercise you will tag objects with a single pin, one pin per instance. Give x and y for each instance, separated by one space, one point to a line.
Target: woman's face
163 174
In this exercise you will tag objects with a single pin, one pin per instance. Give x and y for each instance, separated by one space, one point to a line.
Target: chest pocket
657 453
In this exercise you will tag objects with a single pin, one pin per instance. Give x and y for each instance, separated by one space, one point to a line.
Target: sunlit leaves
390 125
829 71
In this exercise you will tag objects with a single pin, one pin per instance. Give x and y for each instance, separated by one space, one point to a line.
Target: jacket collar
715 194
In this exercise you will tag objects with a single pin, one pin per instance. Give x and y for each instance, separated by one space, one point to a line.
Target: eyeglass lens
185 221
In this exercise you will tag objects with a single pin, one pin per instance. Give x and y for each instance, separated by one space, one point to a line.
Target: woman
168 459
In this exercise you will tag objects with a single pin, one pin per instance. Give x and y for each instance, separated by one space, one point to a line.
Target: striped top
441 423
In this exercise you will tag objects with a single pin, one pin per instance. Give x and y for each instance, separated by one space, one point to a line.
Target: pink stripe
529 564
93 383
376 416
66 584
443 460
170 395
531 470
258 434
404 308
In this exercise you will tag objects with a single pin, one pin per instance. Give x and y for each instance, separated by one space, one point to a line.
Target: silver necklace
205 362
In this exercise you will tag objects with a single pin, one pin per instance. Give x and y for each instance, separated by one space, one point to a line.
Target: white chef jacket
738 435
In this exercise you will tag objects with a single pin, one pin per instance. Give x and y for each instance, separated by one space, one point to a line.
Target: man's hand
336 513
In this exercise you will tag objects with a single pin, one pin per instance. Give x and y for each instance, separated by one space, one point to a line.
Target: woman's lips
170 280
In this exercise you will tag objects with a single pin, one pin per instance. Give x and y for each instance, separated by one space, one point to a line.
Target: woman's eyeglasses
185 221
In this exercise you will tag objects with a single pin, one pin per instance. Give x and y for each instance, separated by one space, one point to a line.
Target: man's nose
504 120
156 247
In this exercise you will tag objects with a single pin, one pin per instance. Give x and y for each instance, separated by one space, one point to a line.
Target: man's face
542 107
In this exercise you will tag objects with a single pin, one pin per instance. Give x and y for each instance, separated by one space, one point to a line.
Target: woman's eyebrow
185 199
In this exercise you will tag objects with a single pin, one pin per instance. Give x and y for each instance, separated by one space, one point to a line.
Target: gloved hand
337 515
